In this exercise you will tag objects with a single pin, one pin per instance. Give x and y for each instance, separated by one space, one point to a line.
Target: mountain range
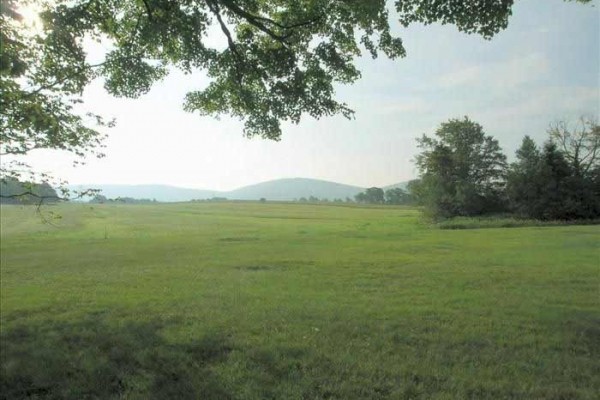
279 190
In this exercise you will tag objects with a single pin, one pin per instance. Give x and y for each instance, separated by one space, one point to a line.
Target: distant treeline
212 199
463 172
101 199
394 196
372 195
13 191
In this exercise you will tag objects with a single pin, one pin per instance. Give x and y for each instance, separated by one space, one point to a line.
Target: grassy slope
250 301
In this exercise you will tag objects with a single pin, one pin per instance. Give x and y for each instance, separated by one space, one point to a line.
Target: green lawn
293 301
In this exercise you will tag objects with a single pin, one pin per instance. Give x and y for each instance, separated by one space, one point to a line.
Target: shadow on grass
102 358
92 359
484 222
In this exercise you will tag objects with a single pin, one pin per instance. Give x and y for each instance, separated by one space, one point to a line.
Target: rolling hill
294 188
278 190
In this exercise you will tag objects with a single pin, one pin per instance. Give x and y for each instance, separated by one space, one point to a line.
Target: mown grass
293 301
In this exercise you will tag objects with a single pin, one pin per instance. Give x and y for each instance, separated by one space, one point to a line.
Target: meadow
293 301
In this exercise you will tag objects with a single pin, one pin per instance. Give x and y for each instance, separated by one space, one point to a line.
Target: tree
397 196
279 60
41 80
360 197
523 185
566 194
544 185
13 191
99 199
414 188
559 182
579 145
374 195
556 194
462 170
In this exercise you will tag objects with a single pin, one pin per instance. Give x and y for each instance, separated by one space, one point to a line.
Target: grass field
293 301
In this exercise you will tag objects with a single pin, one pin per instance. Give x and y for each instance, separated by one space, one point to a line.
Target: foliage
461 170
278 60
559 182
372 195
398 196
101 199
579 145
523 188
41 81
13 191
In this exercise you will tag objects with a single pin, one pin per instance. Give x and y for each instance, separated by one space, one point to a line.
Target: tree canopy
464 173
277 61
462 169
561 181
372 195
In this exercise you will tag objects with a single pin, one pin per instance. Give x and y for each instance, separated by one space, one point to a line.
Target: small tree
397 196
462 170
374 195
361 197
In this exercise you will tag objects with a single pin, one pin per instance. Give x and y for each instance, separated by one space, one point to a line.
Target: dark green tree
556 183
360 197
555 201
375 195
414 188
579 144
372 195
397 196
462 170
523 186
564 193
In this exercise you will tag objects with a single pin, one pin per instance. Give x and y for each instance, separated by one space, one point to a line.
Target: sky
543 68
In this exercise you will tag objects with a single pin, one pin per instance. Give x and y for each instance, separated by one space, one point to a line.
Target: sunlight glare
31 17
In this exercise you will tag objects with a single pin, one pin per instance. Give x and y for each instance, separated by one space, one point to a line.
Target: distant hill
401 185
294 188
278 190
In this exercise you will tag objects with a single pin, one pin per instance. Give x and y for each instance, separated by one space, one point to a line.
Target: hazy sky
543 68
